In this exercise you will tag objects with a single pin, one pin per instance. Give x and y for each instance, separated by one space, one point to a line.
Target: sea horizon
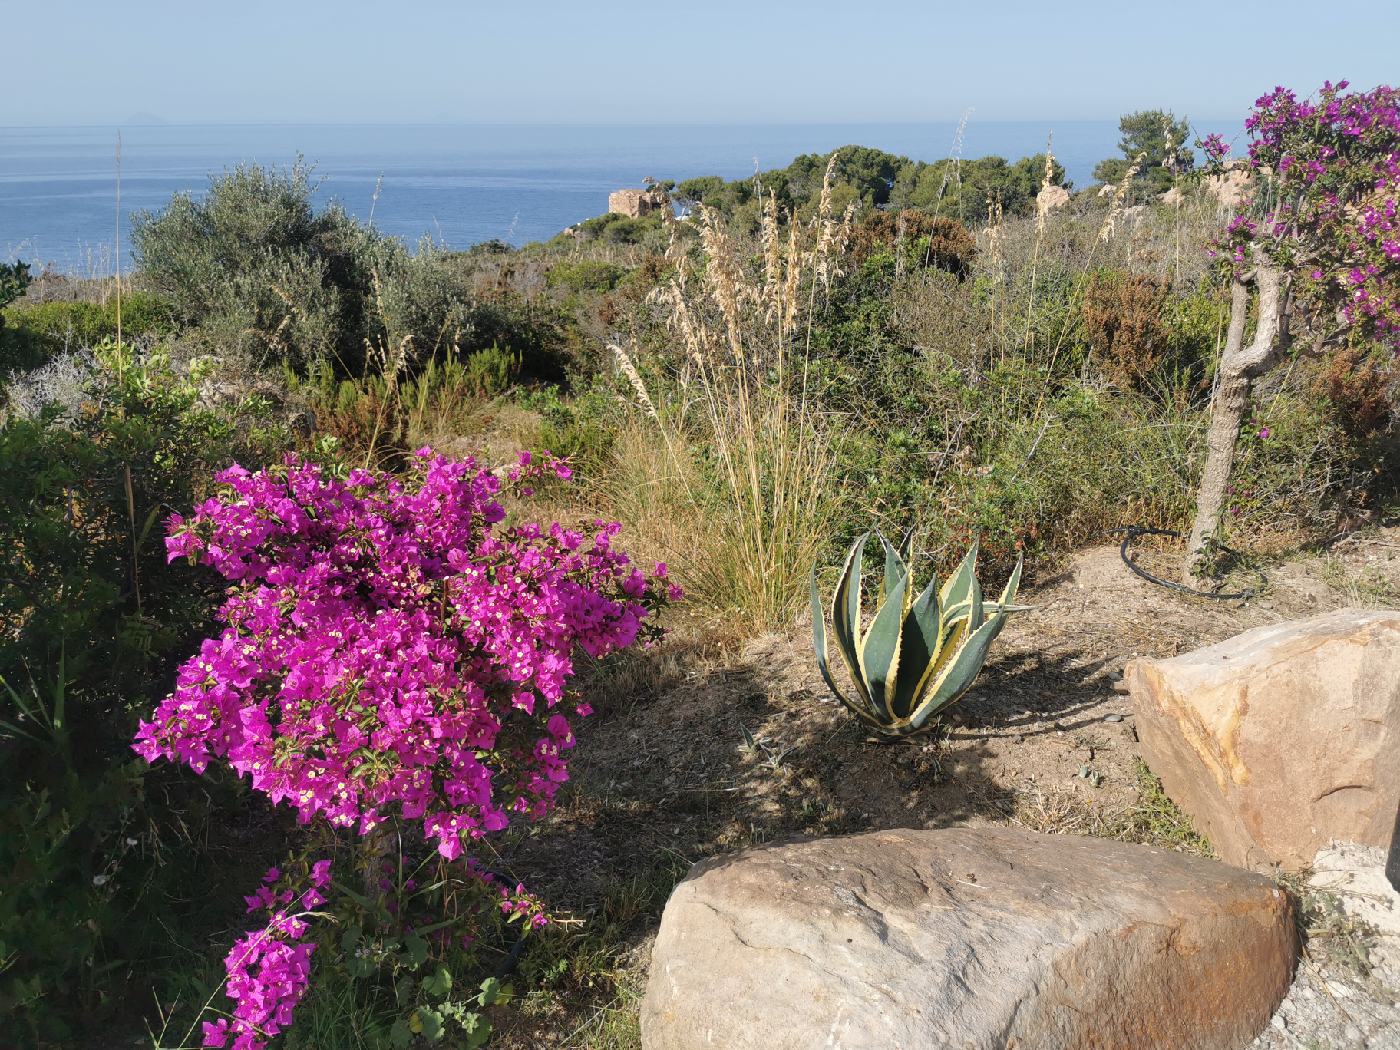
457 184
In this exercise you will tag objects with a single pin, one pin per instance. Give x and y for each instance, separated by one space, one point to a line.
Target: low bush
918 239
1124 323
32 333
91 848
585 275
256 267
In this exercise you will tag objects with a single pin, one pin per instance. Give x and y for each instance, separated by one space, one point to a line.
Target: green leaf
400 1034
477 1029
430 1022
956 678
350 939
895 567
922 631
845 622
819 642
439 983
359 898
1008 594
959 585
879 653
491 992
417 949
845 609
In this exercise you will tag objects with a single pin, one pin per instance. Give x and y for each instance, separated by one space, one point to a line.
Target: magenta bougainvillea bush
391 650
1326 200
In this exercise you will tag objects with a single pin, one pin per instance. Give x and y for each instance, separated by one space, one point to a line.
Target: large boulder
974 938
1282 739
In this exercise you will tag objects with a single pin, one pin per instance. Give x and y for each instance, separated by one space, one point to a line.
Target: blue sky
722 61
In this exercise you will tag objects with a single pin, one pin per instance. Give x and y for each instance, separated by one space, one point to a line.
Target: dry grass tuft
725 471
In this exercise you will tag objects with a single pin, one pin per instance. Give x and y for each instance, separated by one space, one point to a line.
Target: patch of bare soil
690 757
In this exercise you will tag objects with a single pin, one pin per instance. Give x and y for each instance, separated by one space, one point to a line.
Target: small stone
1115 717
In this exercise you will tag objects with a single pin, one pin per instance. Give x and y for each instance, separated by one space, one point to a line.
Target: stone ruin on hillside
636 203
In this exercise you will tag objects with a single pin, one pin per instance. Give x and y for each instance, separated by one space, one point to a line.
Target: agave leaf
819 639
922 631
861 710
896 565
959 585
845 621
1008 594
879 651
897 560
956 677
845 609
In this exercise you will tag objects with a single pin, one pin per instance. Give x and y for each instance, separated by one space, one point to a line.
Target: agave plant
919 654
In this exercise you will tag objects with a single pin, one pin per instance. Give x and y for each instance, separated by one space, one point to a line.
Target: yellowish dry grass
725 468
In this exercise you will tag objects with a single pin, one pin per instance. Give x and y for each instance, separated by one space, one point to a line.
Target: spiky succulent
919 654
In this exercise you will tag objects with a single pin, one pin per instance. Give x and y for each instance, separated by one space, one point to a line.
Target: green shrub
581 428
259 269
923 240
14 279
39 330
489 372
93 619
621 229
585 275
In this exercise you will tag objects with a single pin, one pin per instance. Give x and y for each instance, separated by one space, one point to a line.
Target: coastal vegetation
317 551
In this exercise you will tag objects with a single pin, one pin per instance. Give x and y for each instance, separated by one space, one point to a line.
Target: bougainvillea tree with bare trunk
1313 255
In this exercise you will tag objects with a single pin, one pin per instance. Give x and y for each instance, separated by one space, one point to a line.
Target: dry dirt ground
693 754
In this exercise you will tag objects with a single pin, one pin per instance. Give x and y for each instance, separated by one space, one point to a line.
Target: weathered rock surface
1282 739
969 938
1051 198
1347 993
1231 186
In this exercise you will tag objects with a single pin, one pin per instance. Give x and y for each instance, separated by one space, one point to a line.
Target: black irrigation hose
1132 532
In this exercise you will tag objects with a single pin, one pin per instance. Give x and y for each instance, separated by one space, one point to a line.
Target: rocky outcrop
1231 186
968 938
1051 198
1282 739
636 203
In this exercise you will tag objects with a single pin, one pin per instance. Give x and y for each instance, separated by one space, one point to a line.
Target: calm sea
459 185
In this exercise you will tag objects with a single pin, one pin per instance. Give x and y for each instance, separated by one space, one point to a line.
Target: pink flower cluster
1215 148
389 646
1329 188
269 969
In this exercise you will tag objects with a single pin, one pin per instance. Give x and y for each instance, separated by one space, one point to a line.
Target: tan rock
969 938
1173 196
1051 198
1231 186
636 203
1282 739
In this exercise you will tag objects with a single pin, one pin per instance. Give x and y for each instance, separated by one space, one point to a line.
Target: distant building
636 203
